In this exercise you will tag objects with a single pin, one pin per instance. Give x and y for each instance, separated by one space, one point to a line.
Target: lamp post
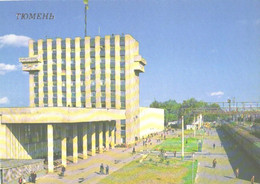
182 138
192 167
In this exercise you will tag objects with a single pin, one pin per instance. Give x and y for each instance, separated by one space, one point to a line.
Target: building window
103 105
82 43
103 88
72 44
112 40
113 104
122 64
92 42
63 78
63 44
102 41
122 40
44 45
112 52
93 94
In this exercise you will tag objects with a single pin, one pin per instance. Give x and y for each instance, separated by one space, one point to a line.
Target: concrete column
85 141
75 144
64 146
118 132
107 135
100 137
93 139
50 147
3 141
113 135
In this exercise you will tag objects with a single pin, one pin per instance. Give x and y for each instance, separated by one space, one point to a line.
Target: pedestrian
33 177
107 170
214 163
20 180
165 155
133 149
63 169
214 145
237 172
101 169
174 153
253 180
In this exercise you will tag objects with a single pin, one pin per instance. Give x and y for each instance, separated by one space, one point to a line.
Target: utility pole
86 8
182 138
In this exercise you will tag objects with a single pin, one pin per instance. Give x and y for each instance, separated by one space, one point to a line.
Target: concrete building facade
87 72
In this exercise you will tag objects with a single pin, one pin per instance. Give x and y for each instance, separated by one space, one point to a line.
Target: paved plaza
87 171
229 157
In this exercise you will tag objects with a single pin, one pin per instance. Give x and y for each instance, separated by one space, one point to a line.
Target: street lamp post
182 138
192 167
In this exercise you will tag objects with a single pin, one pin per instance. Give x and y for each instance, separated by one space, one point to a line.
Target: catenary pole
182 138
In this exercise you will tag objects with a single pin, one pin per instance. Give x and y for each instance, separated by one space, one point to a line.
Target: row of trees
189 109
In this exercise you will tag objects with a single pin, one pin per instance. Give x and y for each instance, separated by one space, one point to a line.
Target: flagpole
85 20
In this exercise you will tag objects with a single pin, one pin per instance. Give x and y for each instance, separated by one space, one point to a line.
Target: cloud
4 100
4 68
217 93
14 40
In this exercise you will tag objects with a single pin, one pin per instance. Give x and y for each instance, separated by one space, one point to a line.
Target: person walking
31 177
237 172
34 177
63 169
214 145
253 180
133 150
20 180
214 163
107 170
102 169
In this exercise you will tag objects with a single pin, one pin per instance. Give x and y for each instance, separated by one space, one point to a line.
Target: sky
203 49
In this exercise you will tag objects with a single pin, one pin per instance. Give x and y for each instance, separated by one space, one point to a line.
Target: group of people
32 178
102 169
147 141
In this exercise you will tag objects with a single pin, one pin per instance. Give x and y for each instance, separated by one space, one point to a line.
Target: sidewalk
87 171
228 156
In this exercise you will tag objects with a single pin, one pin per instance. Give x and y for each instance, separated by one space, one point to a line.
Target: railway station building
84 98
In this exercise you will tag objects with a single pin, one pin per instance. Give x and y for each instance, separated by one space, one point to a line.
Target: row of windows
93 105
82 77
82 68
82 54
82 43
83 61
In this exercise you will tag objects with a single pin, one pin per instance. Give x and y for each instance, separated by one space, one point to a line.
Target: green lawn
153 170
174 144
